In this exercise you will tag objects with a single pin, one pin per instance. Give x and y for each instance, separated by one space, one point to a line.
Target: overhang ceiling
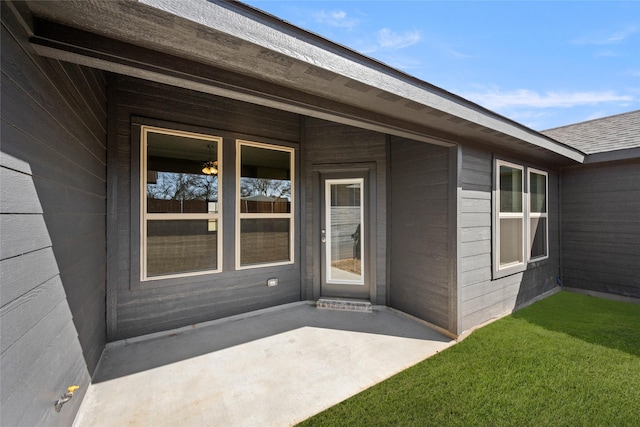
232 50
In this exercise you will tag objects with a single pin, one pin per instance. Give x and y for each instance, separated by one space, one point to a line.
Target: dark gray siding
481 297
53 250
601 227
328 144
137 308
420 246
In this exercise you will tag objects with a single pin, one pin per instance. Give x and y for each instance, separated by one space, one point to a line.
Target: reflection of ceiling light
210 167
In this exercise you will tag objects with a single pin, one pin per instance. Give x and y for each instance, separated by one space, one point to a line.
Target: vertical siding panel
420 246
52 255
601 227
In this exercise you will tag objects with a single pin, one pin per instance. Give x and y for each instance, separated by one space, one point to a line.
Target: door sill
345 304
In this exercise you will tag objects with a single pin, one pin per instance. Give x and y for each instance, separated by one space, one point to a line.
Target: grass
568 360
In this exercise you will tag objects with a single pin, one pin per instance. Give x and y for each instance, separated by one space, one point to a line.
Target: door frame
366 170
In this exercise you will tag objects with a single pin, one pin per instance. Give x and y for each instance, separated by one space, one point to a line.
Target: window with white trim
180 203
538 215
265 188
521 217
510 222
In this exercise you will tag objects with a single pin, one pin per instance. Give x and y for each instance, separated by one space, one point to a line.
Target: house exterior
168 163
600 204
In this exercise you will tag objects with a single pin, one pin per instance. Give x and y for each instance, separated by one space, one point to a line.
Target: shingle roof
611 133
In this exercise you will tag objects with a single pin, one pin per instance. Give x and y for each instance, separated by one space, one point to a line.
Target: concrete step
345 304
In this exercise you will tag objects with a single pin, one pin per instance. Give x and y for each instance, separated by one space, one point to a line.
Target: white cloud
595 115
495 99
388 39
606 39
403 63
459 54
528 115
606 54
534 119
337 18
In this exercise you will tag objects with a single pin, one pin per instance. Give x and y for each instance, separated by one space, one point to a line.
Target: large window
264 204
521 222
180 203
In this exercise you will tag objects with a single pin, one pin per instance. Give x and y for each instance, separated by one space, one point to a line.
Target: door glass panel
345 239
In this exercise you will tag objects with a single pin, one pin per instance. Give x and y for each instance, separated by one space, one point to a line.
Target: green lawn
569 360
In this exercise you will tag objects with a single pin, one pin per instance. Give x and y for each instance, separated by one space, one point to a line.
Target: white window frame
526 215
145 217
512 267
240 216
538 214
328 245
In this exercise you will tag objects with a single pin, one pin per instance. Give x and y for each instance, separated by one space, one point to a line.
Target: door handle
323 235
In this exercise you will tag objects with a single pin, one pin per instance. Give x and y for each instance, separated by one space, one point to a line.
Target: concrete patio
274 367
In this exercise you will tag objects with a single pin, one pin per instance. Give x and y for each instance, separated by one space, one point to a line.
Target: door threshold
345 304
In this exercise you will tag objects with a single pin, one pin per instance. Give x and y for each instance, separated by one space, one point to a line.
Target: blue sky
544 64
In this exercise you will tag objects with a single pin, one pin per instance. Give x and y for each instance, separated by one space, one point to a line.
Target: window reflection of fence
265 205
180 247
264 240
176 206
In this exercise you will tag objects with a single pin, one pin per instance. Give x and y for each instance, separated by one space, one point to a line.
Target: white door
344 237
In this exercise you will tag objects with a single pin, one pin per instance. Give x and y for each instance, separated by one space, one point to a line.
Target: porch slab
274 367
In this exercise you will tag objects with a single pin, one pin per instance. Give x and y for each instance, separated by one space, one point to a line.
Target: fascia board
610 156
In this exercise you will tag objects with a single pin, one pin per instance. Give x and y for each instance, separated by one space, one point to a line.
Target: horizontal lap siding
140 308
481 297
419 230
332 143
601 227
53 247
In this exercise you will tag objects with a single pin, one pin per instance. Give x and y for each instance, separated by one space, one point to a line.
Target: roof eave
612 156
274 34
